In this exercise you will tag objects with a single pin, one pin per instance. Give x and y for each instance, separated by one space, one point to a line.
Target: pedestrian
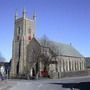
2 71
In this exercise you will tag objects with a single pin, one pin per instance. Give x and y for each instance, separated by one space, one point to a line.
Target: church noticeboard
44 73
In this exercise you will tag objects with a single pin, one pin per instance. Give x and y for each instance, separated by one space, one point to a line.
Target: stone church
34 58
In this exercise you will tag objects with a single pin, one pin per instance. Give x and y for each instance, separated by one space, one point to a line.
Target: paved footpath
76 83
6 84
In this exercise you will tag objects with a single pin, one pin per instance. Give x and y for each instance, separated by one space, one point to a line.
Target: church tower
24 31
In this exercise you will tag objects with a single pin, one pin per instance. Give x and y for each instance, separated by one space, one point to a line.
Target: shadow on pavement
72 86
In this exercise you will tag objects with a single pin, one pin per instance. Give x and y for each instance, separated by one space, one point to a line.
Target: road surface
76 83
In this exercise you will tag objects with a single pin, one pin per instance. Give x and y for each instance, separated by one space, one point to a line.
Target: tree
44 41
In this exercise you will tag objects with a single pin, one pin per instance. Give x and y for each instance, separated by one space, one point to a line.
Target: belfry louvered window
18 33
18 30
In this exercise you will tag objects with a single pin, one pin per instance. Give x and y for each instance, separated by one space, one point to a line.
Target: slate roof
68 50
63 49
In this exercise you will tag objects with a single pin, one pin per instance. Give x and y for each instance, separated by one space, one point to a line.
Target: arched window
75 65
70 65
18 30
17 37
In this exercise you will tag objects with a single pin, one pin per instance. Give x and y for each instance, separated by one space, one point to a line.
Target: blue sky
66 21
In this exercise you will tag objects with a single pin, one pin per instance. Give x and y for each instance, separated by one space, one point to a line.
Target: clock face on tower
29 37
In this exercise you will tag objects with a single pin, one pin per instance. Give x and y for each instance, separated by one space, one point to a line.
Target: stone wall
75 73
